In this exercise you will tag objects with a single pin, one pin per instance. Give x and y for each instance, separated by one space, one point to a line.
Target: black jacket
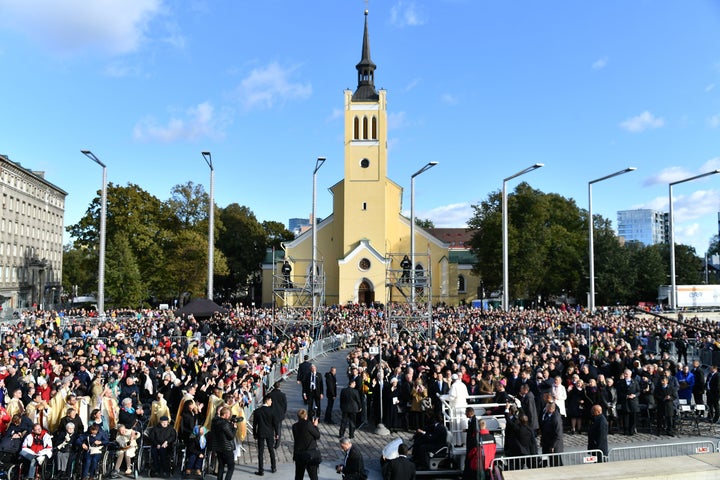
303 369
551 432
279 404
222 435
330 385
305 437
354 468
400 468
307 385
159 435
350 400
597 435
263 423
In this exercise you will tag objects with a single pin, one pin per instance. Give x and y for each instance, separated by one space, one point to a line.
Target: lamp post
425 168
591 300
313 268
673 286
103 214
211 225
506 293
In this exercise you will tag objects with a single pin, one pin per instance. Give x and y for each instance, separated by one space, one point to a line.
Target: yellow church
360 247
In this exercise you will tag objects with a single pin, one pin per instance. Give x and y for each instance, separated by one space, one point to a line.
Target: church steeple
366 71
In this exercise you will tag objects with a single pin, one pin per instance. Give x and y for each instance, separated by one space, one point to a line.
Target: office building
646 226
31 235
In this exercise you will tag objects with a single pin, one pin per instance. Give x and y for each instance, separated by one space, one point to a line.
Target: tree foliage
548 252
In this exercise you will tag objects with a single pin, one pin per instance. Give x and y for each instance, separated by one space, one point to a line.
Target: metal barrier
642 452
544 460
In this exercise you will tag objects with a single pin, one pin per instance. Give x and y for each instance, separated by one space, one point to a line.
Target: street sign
590 459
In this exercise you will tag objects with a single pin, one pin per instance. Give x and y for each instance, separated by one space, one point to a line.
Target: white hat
454 376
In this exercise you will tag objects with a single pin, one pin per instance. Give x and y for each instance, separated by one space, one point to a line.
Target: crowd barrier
643 452
544 460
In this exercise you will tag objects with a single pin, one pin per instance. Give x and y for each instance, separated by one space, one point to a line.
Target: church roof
456 237
366 71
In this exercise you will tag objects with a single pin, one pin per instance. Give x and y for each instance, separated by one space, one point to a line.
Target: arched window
365 128
461 284
374 128
356 128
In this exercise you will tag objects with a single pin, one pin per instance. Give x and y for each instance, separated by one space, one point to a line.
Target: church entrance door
366 294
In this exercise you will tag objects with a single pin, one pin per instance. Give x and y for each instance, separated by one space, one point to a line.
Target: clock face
364 163
364 264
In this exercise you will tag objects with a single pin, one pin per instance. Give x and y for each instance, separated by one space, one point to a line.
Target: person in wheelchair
36 448
428 441
126 440
162 439
196 448
92 444
65 449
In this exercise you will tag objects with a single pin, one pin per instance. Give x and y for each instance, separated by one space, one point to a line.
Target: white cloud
600 63
405 14
714 121
270 85
642 122
69 26
448 99
195 123
397 120
710 87
454 215
668 175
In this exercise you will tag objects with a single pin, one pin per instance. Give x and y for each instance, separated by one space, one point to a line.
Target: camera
234 419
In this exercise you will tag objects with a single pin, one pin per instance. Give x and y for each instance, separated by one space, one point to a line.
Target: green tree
426 223
276 234
651 271
613 269
545 243
140 217
123 282
243 241
188 206
80 266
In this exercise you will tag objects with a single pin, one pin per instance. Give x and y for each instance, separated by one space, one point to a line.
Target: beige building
31 235
361 244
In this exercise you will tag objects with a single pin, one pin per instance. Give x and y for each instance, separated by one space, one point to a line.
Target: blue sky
486 88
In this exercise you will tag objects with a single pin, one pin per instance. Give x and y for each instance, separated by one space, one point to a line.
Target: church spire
366 71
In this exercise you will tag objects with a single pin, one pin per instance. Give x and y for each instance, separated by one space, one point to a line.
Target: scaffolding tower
298 297
409 294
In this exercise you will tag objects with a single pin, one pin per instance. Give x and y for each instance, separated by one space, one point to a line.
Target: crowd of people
111 376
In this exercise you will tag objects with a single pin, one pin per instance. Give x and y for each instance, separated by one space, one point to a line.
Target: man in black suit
330 393
303 369
264 432
305 450
551 433
427 441
698 388
529 406
628 390
400 468
313 391
279 408
437 386
350 405
598 432
353 466
665 396
713 394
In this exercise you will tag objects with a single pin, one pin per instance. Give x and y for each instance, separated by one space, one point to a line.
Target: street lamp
591 301
673 287
103 214
506 293
425 168
318 163
211 225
